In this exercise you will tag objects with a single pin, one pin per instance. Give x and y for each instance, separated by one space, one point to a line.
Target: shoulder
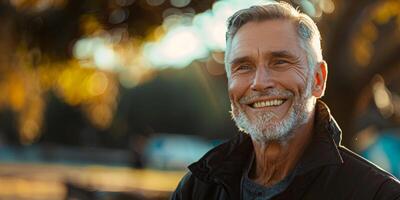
368 176
184 187
361 164
190 187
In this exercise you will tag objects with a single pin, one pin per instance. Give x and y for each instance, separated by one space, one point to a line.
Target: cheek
293 80
237 88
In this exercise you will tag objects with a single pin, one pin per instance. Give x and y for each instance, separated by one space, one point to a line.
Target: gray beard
281 130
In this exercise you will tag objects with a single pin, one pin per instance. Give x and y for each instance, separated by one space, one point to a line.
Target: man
276 74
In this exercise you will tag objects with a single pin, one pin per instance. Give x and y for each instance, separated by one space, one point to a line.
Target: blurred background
112 99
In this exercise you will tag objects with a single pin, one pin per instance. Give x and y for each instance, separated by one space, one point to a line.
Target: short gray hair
306 28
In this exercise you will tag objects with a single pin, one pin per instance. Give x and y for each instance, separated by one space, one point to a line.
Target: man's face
270 81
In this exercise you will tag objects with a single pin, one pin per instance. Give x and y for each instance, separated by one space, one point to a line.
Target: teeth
276 102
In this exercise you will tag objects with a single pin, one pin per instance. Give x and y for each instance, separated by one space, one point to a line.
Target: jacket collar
226 163
323 148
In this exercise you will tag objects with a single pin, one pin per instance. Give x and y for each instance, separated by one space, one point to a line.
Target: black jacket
326 170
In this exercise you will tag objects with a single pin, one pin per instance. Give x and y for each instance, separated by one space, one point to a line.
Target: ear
320 76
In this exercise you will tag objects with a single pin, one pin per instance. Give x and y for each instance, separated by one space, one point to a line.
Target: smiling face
270 82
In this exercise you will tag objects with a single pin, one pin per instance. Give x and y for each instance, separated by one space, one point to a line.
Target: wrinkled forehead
265 36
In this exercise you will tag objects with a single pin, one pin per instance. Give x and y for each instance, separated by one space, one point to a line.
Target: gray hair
306 28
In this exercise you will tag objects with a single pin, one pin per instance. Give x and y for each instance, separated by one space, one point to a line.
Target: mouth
267 103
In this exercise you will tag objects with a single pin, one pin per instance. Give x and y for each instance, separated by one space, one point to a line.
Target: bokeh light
128 82
185 37
178 48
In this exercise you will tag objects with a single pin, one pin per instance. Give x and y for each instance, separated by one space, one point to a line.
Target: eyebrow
280 54
241 59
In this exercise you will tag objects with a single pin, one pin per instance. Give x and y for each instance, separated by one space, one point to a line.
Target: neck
274 160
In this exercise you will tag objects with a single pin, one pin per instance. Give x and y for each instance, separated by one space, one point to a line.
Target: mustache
272 92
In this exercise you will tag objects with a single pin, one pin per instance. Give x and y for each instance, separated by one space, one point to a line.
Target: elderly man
276 74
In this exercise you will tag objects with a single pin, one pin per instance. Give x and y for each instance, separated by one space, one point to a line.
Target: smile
267 103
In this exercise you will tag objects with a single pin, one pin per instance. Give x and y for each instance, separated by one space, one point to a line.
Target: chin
274 130
278 131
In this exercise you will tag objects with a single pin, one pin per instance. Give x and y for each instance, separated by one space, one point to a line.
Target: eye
281 62
244 67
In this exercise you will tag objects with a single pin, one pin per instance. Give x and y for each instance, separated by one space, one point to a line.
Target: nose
262 80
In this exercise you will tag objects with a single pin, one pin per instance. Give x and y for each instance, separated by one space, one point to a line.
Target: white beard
262 130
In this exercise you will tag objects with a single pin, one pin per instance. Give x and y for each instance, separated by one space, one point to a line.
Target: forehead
266 36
